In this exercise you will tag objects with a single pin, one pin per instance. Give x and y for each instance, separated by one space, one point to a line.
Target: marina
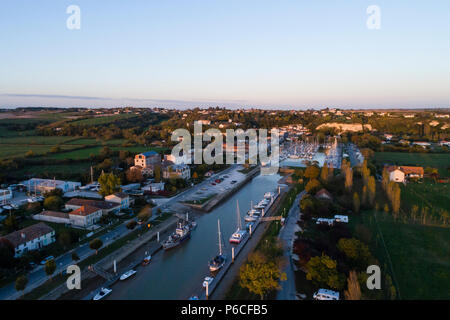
179 273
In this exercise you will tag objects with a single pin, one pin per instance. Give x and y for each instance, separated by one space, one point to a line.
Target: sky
230 53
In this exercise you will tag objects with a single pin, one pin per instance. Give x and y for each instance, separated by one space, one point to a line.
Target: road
286 235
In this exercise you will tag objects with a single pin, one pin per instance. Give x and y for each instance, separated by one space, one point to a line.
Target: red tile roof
85 211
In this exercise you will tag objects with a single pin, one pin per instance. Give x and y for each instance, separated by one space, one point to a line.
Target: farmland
441 161
420 255
102 120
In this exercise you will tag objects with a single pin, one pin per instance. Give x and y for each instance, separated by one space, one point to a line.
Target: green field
77 154
31 140
103 120
441 161
91 141
13 151
420 255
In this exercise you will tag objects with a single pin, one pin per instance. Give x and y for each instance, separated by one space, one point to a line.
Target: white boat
207 281
127 274
103 293
239 234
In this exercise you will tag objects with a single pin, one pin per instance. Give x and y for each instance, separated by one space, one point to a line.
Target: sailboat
239 234
219 260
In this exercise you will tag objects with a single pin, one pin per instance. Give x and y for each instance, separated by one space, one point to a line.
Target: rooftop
29 233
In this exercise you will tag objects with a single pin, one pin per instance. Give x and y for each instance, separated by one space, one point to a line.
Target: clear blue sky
298 53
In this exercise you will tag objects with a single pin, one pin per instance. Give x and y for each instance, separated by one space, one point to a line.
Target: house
422 144
121 198
33 237
177 171
397 175
5 194
105 206
147 159
85 216
400 173
323 194
148 171
154 187
53 216
47 185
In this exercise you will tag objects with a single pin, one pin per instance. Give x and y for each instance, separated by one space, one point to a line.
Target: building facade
30 238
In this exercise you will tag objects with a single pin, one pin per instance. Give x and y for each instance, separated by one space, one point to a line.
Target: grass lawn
441 161
420 255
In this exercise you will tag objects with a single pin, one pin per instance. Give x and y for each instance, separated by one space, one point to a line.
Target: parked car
47 259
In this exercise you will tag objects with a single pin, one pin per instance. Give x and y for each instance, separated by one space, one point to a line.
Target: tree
356 252
144 215
312 172
260 276
21 283
50 267
356 202
371 188
29 154
75 256
6 253
131 225
53 203
324 174
109 183
96 244
65 238
157 173
312 186
353 291
348 178
322 271
134 175
10 224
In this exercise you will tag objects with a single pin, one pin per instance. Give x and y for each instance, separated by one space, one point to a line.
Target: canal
177 274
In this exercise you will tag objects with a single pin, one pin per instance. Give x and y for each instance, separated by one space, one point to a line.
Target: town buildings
30 238
46 185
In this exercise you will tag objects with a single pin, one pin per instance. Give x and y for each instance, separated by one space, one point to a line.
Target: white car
207 281
103 293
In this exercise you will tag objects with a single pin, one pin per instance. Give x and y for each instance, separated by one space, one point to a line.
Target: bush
131 225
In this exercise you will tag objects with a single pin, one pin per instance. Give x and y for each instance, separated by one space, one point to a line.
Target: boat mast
220 238
238 216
